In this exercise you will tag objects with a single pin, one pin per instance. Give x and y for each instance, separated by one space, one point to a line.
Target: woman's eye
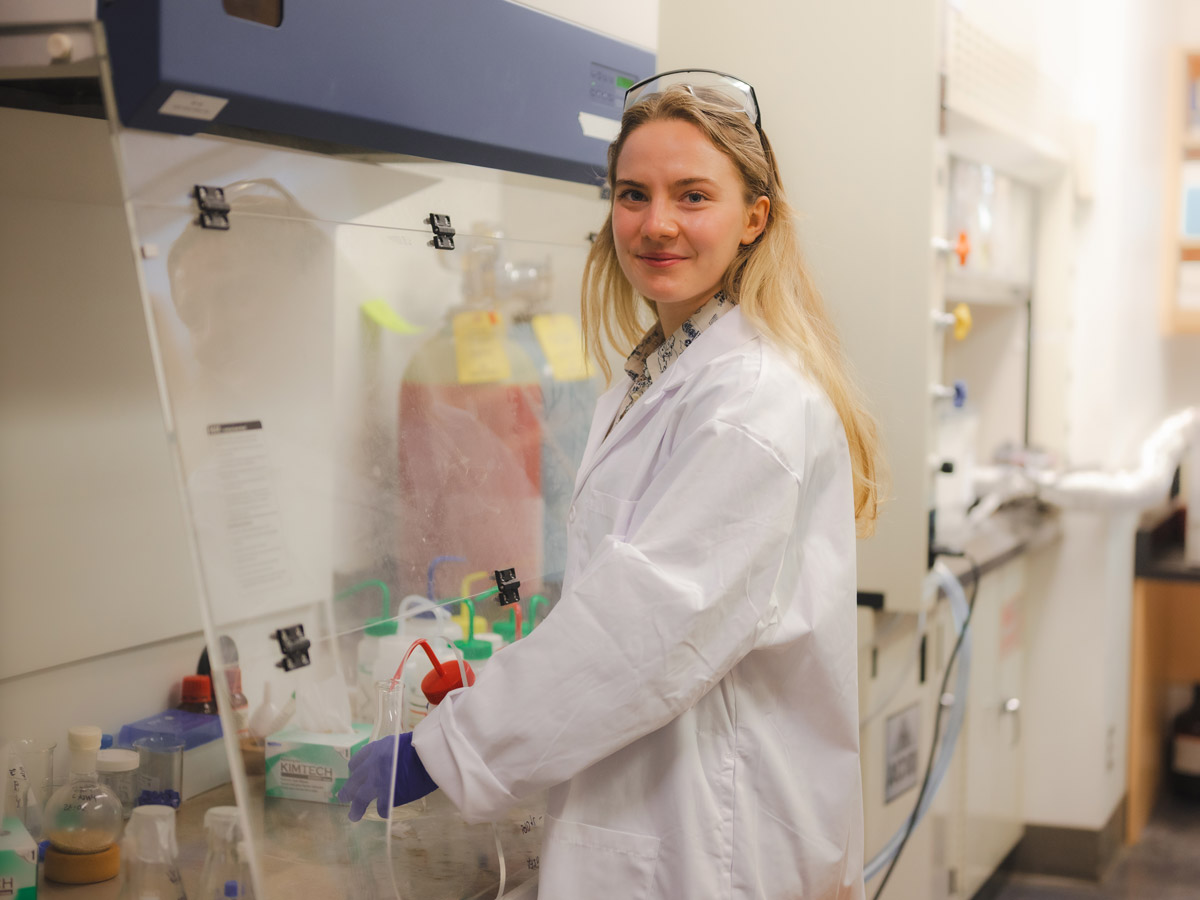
694 197
631 194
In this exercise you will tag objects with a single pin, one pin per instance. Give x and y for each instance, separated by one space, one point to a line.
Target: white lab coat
692 700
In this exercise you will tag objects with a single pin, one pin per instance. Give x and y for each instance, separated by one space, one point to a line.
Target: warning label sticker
902 757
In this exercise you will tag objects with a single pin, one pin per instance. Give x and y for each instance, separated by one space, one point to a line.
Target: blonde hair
768 278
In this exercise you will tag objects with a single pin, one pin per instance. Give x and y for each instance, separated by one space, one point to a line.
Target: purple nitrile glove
371 776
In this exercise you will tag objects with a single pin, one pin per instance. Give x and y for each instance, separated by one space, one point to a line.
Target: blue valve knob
960 394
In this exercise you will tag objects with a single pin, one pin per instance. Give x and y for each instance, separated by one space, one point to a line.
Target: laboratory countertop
189 832
1158 548
310 850
1014 529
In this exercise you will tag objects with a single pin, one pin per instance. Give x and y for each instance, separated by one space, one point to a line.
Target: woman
691 703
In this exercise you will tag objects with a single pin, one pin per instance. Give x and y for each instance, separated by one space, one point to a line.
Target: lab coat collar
726 334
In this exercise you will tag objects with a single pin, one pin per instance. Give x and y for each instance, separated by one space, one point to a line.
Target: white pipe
1135 489
1127 490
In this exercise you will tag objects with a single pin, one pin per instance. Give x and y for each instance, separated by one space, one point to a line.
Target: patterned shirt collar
654 353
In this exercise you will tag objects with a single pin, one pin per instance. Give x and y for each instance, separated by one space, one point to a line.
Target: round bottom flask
83 819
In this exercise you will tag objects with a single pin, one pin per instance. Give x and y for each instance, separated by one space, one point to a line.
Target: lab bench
1165 635
312 851
1020 527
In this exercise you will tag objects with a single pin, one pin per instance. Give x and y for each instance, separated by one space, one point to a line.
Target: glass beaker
37 756
160 770
149 867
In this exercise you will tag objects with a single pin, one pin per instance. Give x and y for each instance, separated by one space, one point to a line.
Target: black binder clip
508 586
294 645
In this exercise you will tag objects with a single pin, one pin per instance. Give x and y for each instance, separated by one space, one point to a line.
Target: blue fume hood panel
486 82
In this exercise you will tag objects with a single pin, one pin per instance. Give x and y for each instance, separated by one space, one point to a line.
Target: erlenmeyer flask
149 867
389 705
221 862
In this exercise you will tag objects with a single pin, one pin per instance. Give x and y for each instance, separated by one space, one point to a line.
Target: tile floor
1165 865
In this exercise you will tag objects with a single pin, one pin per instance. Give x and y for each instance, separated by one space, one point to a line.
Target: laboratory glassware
117 768
221 864
83 818
37 757
389 703
160 769
150 870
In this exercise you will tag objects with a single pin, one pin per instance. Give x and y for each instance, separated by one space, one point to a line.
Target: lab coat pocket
594 516
580 862
607 514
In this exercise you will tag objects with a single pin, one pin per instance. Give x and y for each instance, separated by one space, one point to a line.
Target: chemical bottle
151 869
386 640
196 696
83 819
117 768
1185 750
220 862
391 652
368 653
470 443
239 705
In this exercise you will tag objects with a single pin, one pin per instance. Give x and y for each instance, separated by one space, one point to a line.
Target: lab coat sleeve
655 619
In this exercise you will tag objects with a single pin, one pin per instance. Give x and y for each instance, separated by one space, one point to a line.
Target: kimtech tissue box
307 765
18 861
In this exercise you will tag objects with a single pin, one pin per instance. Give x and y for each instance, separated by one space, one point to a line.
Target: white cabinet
992 816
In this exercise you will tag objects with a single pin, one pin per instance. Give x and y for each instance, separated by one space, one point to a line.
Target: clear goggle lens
706 84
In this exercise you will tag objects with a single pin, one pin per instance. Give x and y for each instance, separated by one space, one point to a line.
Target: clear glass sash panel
367 428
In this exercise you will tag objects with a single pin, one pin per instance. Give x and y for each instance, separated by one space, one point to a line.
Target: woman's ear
756 219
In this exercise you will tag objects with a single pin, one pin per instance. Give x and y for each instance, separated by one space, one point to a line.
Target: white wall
1122 378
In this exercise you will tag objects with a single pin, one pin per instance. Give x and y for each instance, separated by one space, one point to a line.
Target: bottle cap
84 737
222 821
113 760
474 650
219 814
507 629
197 689
380 627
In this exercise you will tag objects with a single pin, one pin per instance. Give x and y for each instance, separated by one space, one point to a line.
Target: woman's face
679 216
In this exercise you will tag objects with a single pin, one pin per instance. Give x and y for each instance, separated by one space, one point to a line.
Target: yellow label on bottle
479 348
559 337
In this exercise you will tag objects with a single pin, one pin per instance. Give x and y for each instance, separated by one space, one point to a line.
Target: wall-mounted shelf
987 291
1181 234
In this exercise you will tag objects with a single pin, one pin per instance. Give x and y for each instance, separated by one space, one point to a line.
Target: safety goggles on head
714 85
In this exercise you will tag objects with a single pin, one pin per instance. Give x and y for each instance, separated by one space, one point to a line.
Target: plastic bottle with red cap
197 695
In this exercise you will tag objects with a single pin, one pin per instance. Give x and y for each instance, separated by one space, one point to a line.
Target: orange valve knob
963 248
